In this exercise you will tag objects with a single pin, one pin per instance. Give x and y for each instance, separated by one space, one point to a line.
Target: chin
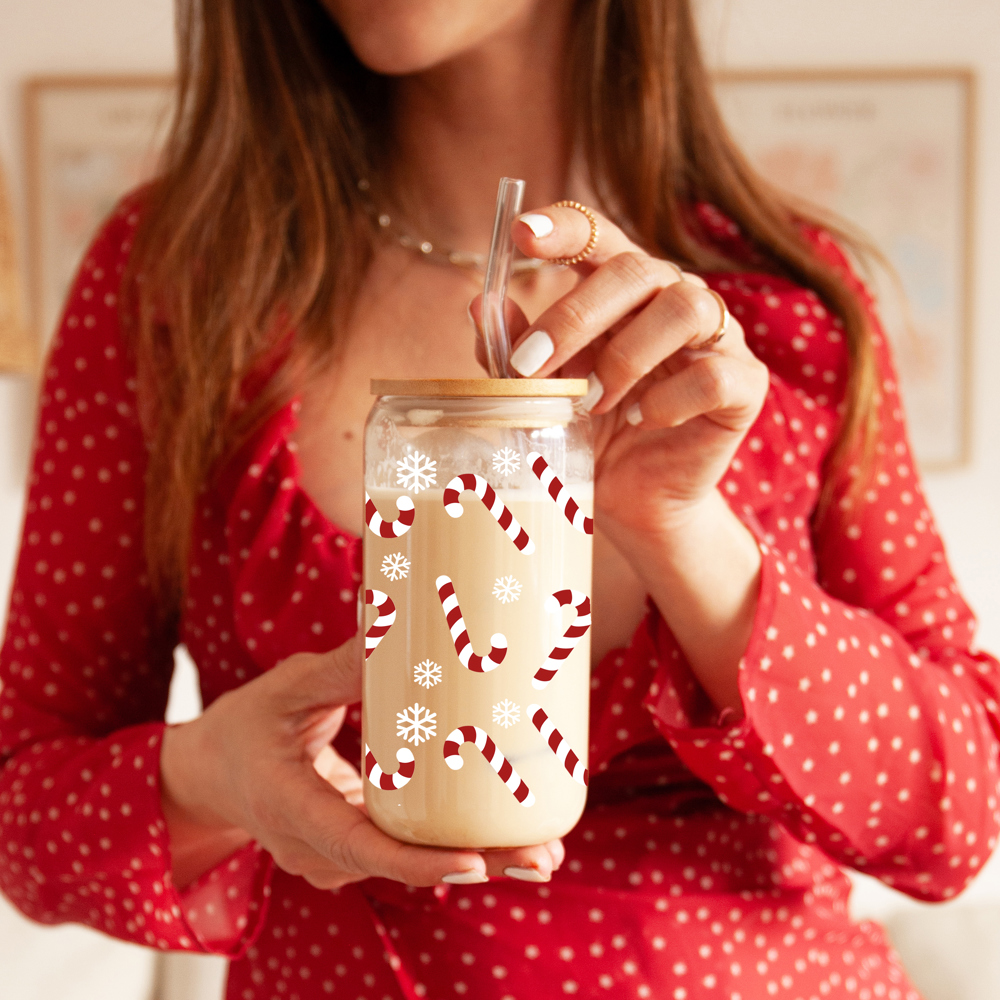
399 37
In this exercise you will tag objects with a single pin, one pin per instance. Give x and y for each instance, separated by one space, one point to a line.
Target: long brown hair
256 227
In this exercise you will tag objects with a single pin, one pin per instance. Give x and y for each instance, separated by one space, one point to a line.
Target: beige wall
44 36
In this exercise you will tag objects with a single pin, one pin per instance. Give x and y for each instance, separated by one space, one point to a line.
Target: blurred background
886 110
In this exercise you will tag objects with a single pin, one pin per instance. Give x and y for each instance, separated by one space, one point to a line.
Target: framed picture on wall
17 346
89 140
891 152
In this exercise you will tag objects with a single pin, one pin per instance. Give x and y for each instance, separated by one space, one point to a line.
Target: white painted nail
525 874
595 390
540 225
634 415
471 877
533 353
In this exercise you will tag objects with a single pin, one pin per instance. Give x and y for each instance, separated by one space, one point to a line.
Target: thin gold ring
723 325
594 233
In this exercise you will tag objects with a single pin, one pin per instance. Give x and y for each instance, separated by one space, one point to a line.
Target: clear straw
498 268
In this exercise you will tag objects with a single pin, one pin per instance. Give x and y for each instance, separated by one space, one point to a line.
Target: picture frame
88 141
892 151
17 347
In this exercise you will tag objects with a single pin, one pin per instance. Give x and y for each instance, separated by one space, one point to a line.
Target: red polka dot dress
708 864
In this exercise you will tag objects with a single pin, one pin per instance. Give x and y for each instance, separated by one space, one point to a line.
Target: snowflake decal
506 589
506 461
415 724
506 713
416 472
427 673
396 566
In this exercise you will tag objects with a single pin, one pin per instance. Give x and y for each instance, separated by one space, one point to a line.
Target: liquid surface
415 673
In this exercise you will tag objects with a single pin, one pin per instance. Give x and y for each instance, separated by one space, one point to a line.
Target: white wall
62 36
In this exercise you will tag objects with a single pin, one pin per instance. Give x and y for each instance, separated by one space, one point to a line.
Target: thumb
313 680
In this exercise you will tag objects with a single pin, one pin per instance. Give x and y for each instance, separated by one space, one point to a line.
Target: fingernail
634 415
471 877
525 874
595 390
540 225
533 353
472 319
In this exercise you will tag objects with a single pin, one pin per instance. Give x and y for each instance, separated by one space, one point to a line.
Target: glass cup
477 577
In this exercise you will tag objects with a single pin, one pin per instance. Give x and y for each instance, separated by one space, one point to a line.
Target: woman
783 679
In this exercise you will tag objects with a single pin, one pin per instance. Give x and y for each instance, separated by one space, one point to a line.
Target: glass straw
498 268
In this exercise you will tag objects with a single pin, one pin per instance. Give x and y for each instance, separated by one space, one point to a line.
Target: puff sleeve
871 721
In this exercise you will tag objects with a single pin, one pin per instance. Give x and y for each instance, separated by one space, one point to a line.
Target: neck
492 112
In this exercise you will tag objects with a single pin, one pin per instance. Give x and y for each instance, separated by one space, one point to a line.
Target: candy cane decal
389 529
496 760
501 513
559 493
386 616
572 635
460 636
380 779
557 744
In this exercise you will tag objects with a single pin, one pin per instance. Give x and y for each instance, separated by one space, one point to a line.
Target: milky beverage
417 690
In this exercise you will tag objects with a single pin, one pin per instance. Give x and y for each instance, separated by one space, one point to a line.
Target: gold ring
723 325
594 232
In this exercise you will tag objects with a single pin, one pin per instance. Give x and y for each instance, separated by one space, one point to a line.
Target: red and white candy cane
380 779
386 616
559 493
501 513
496 760
460 635
389 529
572 635
558 745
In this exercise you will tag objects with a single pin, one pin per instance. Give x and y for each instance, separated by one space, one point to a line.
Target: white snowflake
506 589
416 724
506 713
396 566
416 472
506 461
427 673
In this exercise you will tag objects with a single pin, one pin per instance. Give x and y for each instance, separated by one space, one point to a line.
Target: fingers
306 817
682 315
526 864
355 845
625 283
728 389
552 233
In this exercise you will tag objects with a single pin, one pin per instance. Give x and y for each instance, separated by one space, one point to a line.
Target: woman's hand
668 413
670 409
249 768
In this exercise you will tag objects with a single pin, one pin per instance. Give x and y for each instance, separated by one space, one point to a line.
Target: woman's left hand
669 410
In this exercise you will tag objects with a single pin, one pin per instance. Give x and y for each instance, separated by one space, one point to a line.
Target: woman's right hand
245 770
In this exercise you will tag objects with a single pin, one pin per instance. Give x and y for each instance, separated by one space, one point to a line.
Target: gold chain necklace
466 259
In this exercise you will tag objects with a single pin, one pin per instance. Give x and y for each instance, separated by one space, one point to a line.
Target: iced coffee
477 582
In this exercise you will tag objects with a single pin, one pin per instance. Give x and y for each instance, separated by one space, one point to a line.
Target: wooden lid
509 387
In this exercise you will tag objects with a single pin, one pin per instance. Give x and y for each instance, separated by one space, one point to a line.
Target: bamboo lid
509 387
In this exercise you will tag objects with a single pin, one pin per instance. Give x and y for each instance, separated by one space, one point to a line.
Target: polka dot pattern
706 866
